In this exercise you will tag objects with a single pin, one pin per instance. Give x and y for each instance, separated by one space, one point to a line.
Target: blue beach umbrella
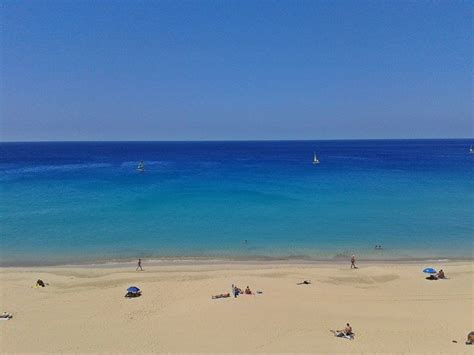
133 289
429 270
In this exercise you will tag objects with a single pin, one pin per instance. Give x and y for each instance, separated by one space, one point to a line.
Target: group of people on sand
438 276
235 292
238 291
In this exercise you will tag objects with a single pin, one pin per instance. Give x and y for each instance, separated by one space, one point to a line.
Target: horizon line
231 140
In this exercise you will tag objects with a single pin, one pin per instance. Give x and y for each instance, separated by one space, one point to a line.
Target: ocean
85 202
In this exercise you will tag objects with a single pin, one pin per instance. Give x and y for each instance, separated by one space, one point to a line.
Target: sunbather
5 316
248 291
470 338
432 277
441 274
348 329
345 333
305 282
40 283
222 295
133 294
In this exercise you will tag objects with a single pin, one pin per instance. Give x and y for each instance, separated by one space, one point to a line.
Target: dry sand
391 307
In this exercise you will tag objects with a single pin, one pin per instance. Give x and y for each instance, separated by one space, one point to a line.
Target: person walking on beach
139 266
353 262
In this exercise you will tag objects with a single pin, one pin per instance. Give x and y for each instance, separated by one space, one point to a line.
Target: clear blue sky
192 70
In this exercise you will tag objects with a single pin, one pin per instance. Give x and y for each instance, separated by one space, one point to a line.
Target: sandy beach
391 307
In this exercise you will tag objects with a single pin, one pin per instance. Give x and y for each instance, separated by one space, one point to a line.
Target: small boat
315 159
141 166
471 150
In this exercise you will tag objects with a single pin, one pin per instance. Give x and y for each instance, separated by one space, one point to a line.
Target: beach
390 305
203 177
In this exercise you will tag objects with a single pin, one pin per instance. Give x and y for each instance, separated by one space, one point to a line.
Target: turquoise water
85 202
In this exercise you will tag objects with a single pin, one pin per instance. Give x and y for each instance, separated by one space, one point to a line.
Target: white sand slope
391 307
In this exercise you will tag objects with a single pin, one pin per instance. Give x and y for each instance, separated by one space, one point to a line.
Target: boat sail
315 159
471 150
141 166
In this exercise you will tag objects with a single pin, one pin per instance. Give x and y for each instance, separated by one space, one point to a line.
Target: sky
235 70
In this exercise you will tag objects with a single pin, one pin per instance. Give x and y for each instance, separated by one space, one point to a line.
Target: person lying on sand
40 283
344 333
441 274
6 316
305 282
432 277
222 295
133 294
248 291
470 338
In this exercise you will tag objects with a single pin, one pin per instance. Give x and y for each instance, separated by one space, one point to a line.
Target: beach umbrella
429 270
133 289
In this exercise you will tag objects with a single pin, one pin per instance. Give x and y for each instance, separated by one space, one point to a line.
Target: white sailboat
141 166
471 150
315 159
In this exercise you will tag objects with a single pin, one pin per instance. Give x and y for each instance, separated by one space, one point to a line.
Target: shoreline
259 261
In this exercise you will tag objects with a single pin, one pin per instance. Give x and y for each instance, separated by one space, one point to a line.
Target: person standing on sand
353 262
139 266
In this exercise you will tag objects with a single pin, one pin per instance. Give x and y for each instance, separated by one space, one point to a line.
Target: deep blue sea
86 202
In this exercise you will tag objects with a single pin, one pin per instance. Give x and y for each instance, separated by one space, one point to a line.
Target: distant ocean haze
87 202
